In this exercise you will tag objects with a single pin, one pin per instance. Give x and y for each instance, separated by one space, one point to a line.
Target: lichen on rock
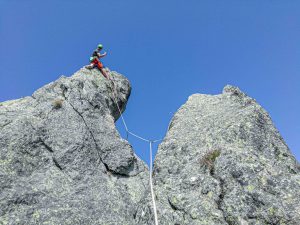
62 160
224 162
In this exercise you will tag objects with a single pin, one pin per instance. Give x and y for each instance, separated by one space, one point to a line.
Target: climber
94 60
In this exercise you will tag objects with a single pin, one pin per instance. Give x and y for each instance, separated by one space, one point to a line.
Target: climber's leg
102 70
91 66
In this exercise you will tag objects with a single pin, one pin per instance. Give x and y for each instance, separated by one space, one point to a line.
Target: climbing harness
128 132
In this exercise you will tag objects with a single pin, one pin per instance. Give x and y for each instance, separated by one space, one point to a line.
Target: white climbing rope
151 186
150 148
137 136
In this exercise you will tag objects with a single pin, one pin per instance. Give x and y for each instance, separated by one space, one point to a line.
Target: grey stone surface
224 162
62 160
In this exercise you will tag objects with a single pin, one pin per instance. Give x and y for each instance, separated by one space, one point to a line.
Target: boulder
62 160
224 162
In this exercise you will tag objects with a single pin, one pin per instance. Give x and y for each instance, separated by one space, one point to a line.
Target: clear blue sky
168 49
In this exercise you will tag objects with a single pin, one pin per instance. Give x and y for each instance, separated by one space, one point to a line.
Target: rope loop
128 132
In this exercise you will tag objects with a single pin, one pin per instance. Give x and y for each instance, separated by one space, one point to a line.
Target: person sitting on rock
95 62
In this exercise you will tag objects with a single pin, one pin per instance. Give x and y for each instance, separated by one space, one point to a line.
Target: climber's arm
104 54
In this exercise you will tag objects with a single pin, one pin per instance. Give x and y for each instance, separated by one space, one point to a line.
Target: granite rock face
223 162
62 160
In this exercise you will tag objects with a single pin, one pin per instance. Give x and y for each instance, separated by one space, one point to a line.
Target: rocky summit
62 161
223 162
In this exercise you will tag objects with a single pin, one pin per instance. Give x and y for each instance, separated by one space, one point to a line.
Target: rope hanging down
151 186
143 139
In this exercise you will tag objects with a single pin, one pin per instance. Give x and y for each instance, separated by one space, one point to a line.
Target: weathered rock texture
62 160
224 162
